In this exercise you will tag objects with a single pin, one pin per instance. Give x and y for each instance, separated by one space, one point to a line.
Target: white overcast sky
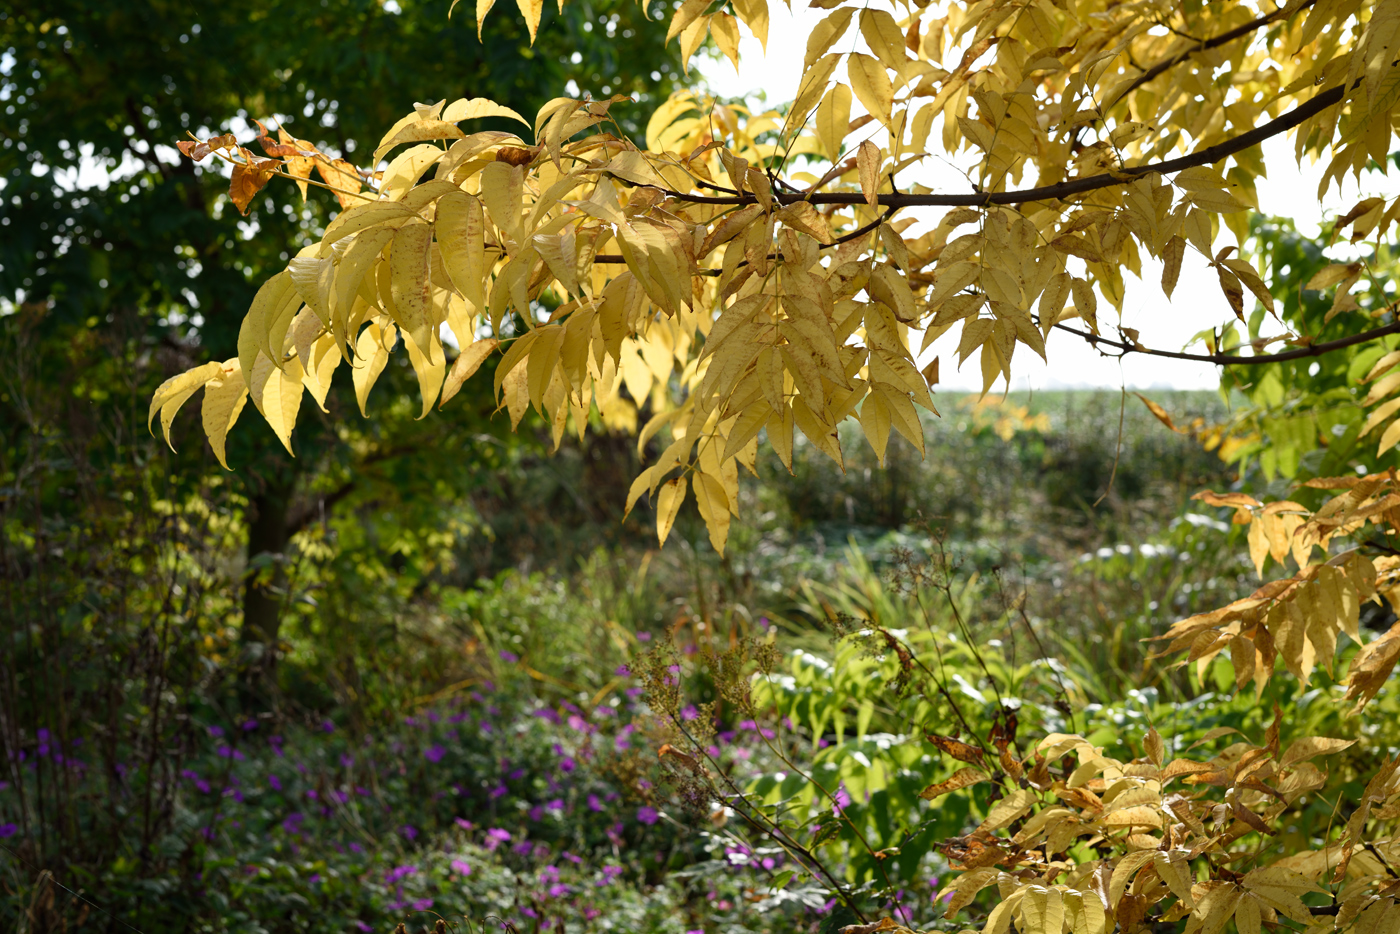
1196 305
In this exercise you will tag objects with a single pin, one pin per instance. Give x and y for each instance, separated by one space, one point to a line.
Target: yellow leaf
466 364
544 358
416 132
1200 178
1008 809
173 393
1330 275
1312 746
430 367
461 236
531 10
1389 438
363 253
1043 910
868 165
409 283
825 34
502 185
871 84
477 108
407 167
277 394
1172 255
371 355
884 37
224 399
754 14
1177 876
668 505
875 421
725 31
1086 303
313 279
714 505
1247 916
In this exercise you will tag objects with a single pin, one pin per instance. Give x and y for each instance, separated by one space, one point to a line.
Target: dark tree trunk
264 591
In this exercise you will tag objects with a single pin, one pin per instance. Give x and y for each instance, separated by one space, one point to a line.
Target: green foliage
1305 417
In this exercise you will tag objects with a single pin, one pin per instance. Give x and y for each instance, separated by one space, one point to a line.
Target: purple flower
594 804
422 904
464 823
250 725
315 877
647 815
8 830
622 671
213 731
509 656
558 890
328 725
274 782
643 637
434 753
409 831
843 800
461 868
609 874
347 761
689 712
292 823
399 872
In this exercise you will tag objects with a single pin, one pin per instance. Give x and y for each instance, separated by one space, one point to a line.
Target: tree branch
1207 156
1207 45
1225 359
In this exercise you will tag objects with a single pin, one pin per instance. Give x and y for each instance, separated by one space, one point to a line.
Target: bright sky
1197 303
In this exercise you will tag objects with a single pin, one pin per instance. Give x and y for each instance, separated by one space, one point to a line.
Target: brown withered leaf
271 146
1371 667
1247 816
517 155
1004 728
875 927
975 852
1160 413
959 750
249 177
194 148
962 778
1234 291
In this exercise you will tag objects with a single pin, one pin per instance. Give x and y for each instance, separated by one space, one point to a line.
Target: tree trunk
265 587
